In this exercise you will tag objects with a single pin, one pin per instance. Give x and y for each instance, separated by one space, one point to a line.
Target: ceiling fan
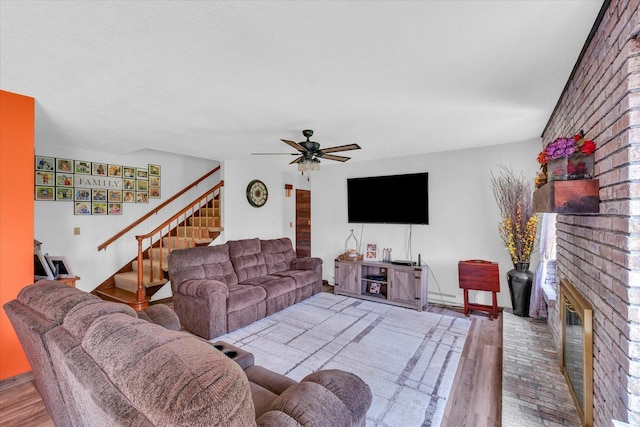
309 152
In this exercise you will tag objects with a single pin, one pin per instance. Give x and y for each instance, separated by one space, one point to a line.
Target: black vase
520 284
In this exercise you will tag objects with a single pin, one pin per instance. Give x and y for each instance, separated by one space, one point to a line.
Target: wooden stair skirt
126 283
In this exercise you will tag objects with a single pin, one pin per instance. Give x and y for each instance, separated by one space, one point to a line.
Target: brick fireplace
600 253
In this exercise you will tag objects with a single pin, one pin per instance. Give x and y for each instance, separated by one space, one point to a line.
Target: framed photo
154 170
129 196
374 288
142 173
82 208
45 193
129 184
82 167
45 163
64 180
115 196
41 267
154 181
64 193
61 266
99 169
64 165
371 252
99 195
114 170
83 194
98 208
142 197
115 208
44 178
129 172
154 192
142 185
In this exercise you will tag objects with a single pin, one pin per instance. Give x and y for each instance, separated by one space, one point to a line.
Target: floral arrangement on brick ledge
566 158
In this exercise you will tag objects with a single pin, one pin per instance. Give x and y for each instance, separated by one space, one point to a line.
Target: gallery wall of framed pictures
95 188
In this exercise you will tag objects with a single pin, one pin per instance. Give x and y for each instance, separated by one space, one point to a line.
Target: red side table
479 275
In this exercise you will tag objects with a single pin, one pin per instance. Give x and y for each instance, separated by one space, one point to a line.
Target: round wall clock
257 193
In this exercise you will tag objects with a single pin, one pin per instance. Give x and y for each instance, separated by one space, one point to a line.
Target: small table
70 281
479 275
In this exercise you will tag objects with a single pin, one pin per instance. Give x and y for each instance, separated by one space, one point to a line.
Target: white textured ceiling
221 80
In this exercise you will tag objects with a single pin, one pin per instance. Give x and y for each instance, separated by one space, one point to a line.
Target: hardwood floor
475 399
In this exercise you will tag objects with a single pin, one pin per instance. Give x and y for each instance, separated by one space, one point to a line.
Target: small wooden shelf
69 281
578 196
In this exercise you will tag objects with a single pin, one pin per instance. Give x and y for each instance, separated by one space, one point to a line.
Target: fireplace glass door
577 349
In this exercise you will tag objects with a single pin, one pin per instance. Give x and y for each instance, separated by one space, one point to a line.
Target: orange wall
16 218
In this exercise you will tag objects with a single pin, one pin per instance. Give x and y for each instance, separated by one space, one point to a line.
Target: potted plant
517 228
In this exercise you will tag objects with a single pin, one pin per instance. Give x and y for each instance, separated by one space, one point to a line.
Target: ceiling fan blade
274 154
334 157
295 145
341 148
298 160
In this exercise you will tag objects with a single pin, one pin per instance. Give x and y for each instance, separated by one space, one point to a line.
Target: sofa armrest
348 387
307 263
325 398
201 305
202 288
161 315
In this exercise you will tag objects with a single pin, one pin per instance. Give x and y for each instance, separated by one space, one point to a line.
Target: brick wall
600 253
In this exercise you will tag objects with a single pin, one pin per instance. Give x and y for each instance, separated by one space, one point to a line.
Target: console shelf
401 285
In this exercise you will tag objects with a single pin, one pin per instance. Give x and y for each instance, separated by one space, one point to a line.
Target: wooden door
303 223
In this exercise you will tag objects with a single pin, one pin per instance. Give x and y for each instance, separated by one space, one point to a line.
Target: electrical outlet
76 231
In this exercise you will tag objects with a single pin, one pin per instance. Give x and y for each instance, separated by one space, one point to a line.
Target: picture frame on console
42 269
60 266
371 252
374 288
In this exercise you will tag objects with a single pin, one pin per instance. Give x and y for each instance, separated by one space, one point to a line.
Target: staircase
198 224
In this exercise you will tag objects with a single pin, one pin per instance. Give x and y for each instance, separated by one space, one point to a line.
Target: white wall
273 220
55 220
463 214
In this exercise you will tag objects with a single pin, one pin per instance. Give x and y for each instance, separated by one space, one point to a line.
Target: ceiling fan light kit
310 152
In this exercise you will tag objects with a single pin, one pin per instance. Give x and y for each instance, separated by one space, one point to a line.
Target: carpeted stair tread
204 221
129 280
182 242
146 266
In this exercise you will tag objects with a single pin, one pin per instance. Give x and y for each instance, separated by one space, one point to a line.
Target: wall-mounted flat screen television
391 199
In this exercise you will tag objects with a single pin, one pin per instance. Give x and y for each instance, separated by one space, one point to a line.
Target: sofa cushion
81 317
205 262
247 258
170 376
54 300
241 296
278 254
273 285
301 277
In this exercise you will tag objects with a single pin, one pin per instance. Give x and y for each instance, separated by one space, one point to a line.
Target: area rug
408 358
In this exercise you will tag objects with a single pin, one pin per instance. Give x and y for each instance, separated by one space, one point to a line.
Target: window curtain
546 266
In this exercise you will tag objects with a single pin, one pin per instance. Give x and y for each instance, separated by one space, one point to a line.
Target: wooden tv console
401 285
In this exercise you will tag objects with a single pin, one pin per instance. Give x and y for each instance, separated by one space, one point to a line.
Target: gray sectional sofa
218 289
96 363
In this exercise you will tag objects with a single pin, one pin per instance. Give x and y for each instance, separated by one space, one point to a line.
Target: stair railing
156 209
199 228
